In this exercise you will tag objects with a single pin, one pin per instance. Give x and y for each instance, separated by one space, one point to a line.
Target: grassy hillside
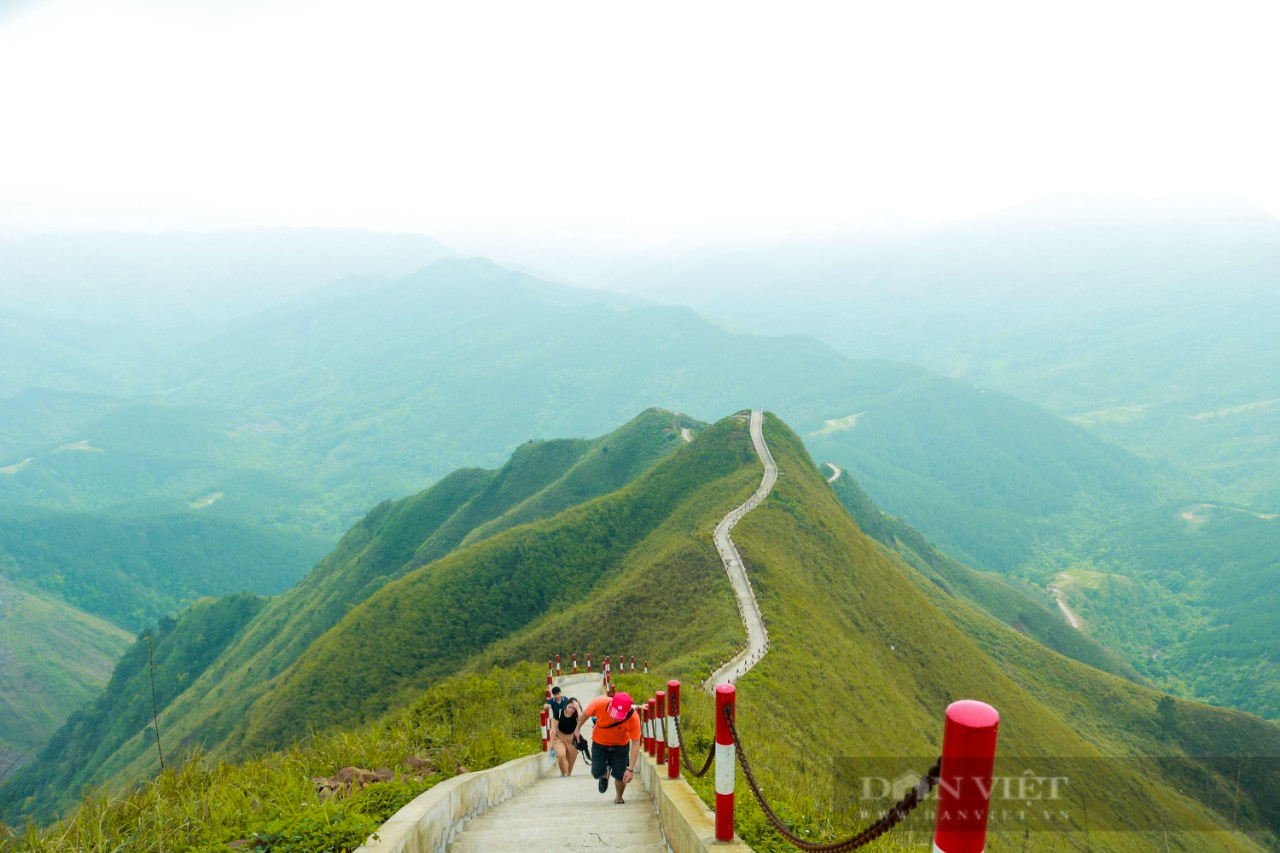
885 656
991 593
875 648
171 658
53 659
209 711
866 654
431 620
465 723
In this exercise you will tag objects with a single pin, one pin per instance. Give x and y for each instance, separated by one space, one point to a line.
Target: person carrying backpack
615 741
555 705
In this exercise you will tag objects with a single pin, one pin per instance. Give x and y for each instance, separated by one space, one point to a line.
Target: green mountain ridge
867 639
210 711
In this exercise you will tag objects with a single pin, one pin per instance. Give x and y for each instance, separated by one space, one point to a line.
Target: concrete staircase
566 812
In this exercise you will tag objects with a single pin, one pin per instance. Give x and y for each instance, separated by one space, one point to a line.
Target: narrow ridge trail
567 812
757 635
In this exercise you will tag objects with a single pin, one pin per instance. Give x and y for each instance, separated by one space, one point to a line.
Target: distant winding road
748 607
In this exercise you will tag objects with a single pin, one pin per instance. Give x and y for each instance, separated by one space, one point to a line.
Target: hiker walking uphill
615 741
566 714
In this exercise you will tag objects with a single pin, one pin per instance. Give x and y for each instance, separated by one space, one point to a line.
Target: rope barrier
873 831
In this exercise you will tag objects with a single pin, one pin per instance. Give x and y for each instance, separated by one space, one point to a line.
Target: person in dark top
555 704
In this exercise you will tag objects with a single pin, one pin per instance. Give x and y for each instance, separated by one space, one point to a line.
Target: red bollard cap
964 786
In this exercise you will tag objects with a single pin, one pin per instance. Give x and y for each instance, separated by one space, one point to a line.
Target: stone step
557 822
633 843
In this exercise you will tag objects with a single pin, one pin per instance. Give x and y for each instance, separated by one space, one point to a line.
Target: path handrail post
673 729
646 732
651 708
660 725
964 781
544 729
726 697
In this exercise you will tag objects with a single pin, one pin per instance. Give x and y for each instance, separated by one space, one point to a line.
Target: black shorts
606 758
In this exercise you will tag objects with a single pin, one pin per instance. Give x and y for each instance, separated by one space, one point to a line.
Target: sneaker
604 784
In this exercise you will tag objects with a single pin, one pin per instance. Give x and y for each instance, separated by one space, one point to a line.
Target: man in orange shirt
615 741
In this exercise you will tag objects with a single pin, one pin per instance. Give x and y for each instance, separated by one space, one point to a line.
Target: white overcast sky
643 117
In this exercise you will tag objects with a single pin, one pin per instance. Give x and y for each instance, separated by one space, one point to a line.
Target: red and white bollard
660 732
557 665
673 730
575 663
964 782
726 698
652 708
544 730
633 663
646 666
588 661
646 733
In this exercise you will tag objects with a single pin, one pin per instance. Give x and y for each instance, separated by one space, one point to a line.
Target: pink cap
620 705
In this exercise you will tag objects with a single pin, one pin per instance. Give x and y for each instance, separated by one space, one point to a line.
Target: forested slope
154 669
987 591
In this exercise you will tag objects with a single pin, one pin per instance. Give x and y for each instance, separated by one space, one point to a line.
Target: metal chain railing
684 754
867 835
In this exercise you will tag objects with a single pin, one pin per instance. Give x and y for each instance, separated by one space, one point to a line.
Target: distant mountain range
1151 322
340 394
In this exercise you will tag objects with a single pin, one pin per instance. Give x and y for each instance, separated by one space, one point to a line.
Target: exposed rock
349 780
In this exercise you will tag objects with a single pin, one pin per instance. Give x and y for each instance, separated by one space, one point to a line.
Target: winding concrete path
748 607
836 471
566 812
569 813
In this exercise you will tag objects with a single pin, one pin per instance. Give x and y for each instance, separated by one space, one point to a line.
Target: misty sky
647 118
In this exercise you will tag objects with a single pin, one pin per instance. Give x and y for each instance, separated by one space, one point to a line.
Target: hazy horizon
501 117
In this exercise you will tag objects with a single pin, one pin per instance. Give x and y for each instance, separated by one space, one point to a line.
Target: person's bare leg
618 787
573 759
562 758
